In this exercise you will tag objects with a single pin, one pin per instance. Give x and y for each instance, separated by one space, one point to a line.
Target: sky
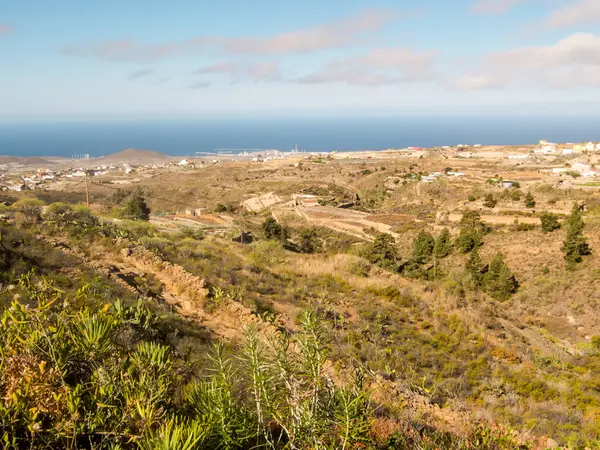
187 58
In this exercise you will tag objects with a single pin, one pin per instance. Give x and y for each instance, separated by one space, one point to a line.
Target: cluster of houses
433 176
42 177
551 148
584 170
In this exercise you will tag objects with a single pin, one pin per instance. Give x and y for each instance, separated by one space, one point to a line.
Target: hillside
132 155
26 160
443 311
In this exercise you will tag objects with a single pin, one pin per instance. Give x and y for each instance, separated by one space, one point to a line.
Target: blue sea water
187 137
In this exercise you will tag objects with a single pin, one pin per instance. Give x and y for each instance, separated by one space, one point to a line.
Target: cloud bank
570 63
378 67
576 13
336 34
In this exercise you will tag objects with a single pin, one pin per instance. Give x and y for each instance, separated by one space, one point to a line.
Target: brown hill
25 160
132 155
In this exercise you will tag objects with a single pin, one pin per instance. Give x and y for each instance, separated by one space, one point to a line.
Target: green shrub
267 253
309 241
271 230
29 210
490 201
136 208
520 226
549 222
359 267
81 376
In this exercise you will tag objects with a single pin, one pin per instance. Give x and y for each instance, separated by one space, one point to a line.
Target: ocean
187 137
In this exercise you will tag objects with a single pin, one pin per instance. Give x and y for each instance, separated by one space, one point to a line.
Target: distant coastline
192 138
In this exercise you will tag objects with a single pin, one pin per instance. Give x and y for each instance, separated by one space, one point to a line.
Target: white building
464 155
581 168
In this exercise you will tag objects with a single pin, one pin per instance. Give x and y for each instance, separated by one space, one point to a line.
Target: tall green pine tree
499 282
475 267
529 201
575 246
443 244
383 252
423 247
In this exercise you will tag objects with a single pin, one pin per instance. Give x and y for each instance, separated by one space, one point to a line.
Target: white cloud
378 67
494 6
575 13
570 63
336 34
265 71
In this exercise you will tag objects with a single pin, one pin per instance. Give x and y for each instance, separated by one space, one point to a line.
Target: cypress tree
475 267
423 247
575 246
443 244
471 232
529 201
499 282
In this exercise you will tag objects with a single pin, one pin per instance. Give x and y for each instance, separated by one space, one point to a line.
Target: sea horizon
188 137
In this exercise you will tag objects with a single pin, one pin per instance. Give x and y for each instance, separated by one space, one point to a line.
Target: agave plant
176 434
94 333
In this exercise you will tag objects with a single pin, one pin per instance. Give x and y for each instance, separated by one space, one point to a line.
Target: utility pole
87 191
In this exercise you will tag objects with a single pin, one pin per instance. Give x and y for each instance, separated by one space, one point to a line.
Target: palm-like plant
176 434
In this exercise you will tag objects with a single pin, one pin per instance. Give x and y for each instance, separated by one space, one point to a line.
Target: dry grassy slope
565 303
232 183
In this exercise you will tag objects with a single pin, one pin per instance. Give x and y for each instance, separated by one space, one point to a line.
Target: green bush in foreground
95 379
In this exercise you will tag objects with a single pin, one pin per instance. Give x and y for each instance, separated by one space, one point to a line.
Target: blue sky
183 58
